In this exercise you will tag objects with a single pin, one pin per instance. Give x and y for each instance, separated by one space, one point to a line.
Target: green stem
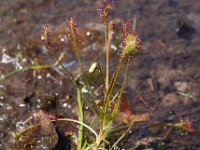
81 118
81 67
124 81
114 78
122 136
107 56
32 67
109 93
81 123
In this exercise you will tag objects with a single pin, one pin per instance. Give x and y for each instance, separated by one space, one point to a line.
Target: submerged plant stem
34 67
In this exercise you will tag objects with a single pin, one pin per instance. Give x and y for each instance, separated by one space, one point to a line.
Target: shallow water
167 66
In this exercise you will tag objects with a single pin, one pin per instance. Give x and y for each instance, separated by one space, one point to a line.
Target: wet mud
163 82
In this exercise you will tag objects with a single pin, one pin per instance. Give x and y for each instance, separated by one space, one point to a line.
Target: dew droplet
63 38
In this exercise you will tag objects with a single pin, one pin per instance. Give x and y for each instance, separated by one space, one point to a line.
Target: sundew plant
94 133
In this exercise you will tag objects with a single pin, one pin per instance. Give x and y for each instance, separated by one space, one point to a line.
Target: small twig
186 94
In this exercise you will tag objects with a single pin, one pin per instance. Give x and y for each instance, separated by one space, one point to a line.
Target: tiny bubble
20 125
3 117
44 147
57 94
64 104
88 33
38 106
24 60
8 107
6 59
48 75
1 104
182 134
39 141
19 46
9 31
2 86
39 77
22 105
63 38
2 76
3 49
18 67
171 112
42 37
84 90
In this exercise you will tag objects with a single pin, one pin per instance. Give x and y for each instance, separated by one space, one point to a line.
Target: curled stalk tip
131 41
105 10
